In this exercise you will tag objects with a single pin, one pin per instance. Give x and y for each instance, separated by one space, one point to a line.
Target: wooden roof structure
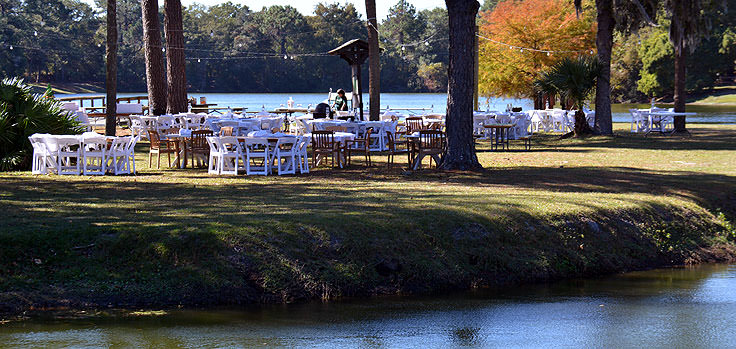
354 51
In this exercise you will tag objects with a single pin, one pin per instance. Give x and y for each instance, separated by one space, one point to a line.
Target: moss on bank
180 237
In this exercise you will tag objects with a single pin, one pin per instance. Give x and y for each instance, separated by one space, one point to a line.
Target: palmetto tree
574 79
23 113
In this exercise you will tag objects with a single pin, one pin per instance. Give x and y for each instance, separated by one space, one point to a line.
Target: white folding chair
639 123
285 154
558 121
215 155
117 156
378 136
179 121
68 155
255 149
230 155
302 155
163 123
94 155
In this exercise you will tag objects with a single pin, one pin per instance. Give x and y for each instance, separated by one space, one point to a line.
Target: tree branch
644 13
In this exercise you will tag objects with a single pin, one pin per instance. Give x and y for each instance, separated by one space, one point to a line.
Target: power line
522 49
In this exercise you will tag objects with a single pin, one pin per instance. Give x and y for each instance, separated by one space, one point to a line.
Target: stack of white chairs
121 155
285 155
257 157
41 156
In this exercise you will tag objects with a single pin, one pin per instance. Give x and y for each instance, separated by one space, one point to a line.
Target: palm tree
574 79
460 151
111 66
374 65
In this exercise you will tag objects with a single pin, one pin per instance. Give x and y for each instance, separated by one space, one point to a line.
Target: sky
306 7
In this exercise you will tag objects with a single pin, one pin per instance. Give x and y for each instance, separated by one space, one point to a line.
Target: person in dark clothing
341 102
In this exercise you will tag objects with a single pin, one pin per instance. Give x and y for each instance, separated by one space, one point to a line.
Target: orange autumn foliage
548 25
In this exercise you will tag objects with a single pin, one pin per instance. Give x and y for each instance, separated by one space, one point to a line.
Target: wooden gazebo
355 52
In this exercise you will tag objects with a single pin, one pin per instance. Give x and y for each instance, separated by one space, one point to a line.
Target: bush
22 114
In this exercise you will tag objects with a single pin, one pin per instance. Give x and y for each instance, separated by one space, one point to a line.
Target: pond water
681 308
436 101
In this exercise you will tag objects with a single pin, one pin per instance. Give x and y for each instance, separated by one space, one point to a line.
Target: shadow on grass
234 240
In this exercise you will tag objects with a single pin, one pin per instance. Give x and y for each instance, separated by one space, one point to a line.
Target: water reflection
437 101
688 307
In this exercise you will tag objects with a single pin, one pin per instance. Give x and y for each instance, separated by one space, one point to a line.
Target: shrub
22 114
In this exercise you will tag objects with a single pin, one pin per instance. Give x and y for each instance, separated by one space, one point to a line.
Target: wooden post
476 68
357 87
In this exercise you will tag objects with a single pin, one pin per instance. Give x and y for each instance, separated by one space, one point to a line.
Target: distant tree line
229 47
233 48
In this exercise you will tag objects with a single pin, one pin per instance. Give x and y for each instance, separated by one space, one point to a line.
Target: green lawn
168 237
722 95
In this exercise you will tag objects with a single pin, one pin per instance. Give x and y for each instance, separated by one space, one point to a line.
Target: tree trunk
155 70
374 64
176 97
581 125
539 101
460 151
604 44
111 65
680 94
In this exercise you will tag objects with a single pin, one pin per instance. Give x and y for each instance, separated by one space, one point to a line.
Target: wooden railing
137 99
80 100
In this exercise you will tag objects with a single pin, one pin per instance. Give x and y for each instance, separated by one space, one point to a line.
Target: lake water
666 308
436 101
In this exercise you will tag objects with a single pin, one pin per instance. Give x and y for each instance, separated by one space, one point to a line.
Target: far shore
720 96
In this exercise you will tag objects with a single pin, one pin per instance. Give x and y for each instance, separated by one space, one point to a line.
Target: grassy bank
70 88
720 95
180 237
